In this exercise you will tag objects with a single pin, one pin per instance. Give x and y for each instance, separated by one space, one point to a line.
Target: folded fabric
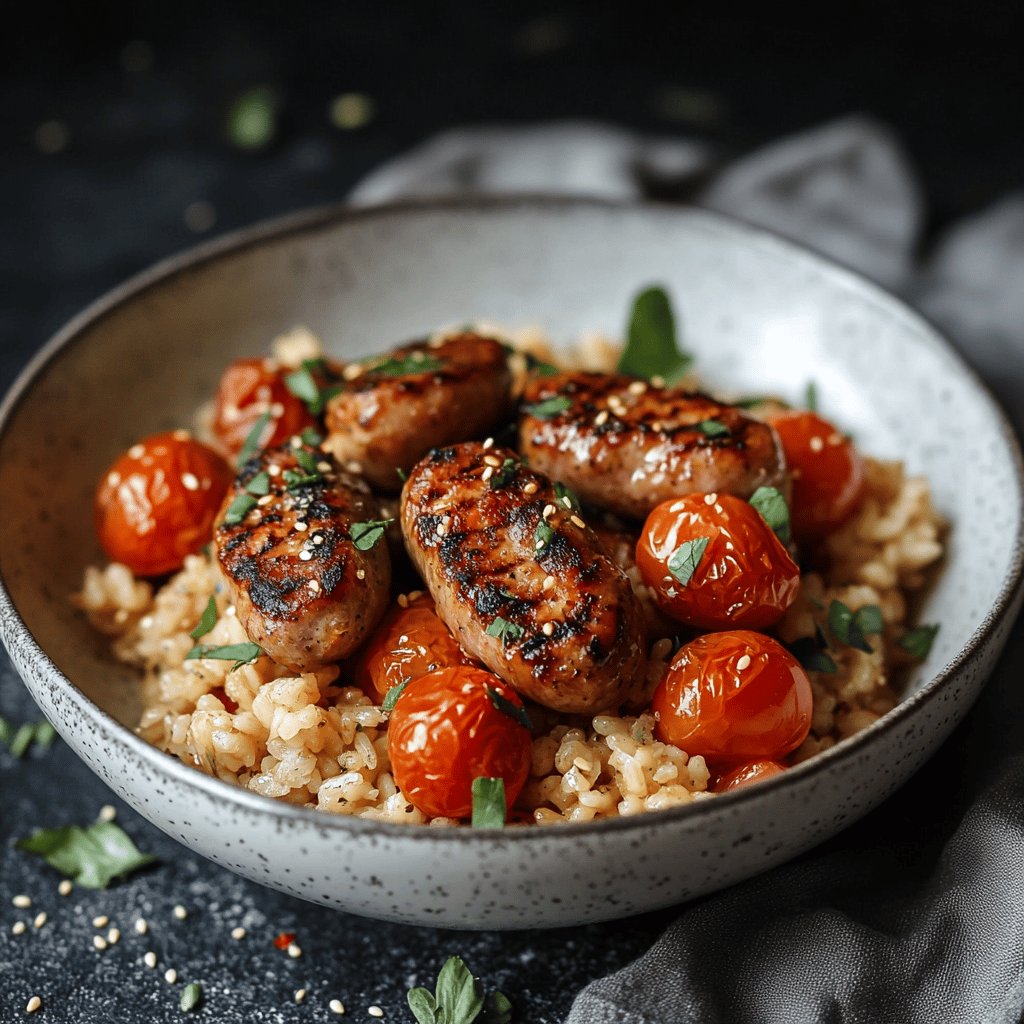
916 914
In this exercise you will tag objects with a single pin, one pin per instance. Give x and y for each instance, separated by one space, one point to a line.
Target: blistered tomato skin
827 473
746 775
408 643
732 697
446 731
248 389
157 502
745 578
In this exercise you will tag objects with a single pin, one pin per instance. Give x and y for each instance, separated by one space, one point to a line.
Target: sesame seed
113 936
566 501
295 441
576 521
107 813
150 959
718 508
743 662
99 942
238 933
136 451
180 912
335 1006
492 460
300 994
414 595
441 529
351 371
273 469
141 926
638 387
324 467
301 527
18 928
548 629
539 545
318 538
314 585
190 481
375 1011
657 381
277 410
22 902
489 443
230 610
530 487
182 435
353 466
33 1004
549 510
170 975
113 479
265 500
305 555
601 418
403 601
65 887
100 922
549 582
40 919
294 951
487 473
710 499
816 444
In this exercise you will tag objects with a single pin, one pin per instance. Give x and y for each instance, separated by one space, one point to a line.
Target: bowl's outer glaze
761 315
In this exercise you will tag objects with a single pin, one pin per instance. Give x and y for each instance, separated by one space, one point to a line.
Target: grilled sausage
302 589
627 446
521 581
423 395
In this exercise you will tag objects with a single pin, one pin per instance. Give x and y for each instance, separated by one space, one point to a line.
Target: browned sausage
302 589
521 581
422 395
627 446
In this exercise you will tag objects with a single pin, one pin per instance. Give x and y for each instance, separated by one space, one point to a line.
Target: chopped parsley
684 560
458 998
22 740
30 734
509 632
771 504
365 535
711 428
542 538
514 711
537 366
207 621
417 362
91 857
549 408
811 396
852 628
504 474
812 652
652 349
240 654
254 439
239 508
918 642
259 485
566 498
306 475
488 803
311 437
303 384
391 697
402 475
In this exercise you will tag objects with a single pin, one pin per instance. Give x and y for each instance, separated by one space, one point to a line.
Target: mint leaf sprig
652 349
458 998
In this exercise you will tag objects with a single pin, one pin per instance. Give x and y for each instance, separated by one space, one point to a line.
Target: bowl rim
338 214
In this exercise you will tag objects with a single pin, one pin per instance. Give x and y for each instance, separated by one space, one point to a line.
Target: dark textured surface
142 145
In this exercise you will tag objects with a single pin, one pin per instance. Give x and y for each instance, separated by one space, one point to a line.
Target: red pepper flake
284 940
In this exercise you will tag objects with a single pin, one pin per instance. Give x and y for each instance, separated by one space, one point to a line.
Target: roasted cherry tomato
447 729
408 643
736 696
746 774
827 473
157 502
247 389
712 562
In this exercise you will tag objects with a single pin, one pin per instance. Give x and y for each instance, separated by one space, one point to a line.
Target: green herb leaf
460 996
252 119
771 504
191 994
365 535
497 1010
311 437
239 508
423 1006
812 653
91 857
294 480
240 654
652 349
712 428
542 538
402 475
207 621
566 497
536 366
254 439
684 560
811 396
391 697
45 735
22 739
417 362
918 642
549 408
851 628
303 385
506 707
504 474
307 460
259 484
6 731
488 809
508 631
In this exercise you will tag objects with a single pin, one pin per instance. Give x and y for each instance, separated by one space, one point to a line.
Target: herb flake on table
683 562
365 535
458 998
771 504
652 349
29 735
91 857
191 996
918 642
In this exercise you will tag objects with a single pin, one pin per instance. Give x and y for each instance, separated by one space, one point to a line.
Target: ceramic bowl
760 314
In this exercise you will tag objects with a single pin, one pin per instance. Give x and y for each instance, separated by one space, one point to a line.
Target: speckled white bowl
761 314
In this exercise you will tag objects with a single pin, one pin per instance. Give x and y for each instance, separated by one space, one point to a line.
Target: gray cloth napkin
917 913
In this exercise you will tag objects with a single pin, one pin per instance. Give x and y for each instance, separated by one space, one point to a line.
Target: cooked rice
313 740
